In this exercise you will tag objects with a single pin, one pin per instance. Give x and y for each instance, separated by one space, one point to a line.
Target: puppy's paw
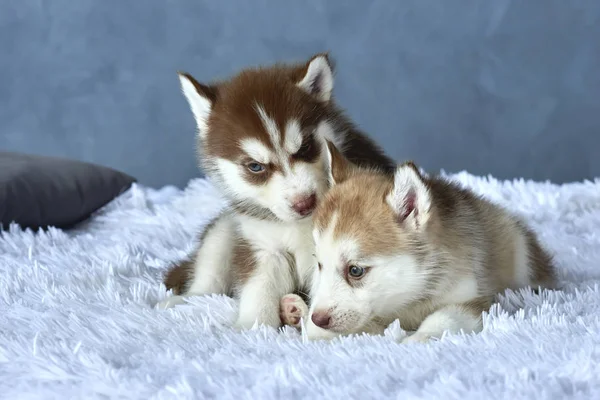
291 309
417 337
170 302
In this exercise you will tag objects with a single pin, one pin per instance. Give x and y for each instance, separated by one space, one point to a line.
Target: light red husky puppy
419 249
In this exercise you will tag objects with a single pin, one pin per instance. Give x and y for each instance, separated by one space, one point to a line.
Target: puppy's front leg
209 271
260 295
452 318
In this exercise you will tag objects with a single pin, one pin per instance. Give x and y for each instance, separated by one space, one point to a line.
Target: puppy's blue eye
355 271
256 167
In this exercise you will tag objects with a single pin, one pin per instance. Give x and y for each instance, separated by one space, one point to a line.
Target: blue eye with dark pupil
356 272
255 167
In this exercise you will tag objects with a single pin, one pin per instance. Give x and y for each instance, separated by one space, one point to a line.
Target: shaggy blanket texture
77 317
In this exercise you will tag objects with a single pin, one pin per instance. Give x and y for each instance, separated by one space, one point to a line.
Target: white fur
269 124
301 181
214 258
284 259
325 131
293 136
521 277
318 69
259 298
448 319
386 292
234 182
463 290
330 179
255 149
277 237
200 105
331 290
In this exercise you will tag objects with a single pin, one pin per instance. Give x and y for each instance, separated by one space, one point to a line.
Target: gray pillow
38 192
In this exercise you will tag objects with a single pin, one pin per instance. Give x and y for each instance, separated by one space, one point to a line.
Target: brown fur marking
178 277
478 305
245 262
542 264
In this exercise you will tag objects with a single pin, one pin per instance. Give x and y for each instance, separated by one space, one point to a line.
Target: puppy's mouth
346 327
340 330
349 325
292 217
305 215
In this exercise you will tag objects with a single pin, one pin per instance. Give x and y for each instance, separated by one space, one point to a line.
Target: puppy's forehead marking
293 136
362 214
337 251
283 149
256 150
325 238
270 126
329 228
327 218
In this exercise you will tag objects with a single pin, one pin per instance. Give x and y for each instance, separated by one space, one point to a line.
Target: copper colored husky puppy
413 248
262 140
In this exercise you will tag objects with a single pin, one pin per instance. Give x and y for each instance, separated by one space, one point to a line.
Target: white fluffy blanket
77 317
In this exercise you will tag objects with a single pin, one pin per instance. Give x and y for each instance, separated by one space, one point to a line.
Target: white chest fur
293 238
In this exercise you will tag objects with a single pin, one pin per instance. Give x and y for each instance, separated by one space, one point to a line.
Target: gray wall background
509 88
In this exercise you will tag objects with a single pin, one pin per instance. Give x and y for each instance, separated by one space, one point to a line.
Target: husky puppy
262 138
419 249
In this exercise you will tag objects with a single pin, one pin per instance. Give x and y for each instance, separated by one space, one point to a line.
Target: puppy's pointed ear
410 198
338 166
318 77
200 97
